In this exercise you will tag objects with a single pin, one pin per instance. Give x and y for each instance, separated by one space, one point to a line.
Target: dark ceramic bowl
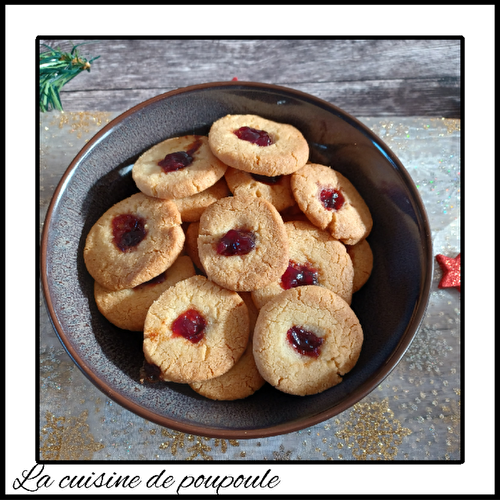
390 306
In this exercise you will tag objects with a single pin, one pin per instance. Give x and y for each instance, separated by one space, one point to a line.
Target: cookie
257 145
195 331
191 244
306 339
240 382
316 258
193 206
362 260
276 189
177 168
242 243
127 309
331 202
134 241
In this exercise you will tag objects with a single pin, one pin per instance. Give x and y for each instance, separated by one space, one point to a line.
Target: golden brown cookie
127 309
240 382
193 206
275 189
134 241
254 144
362 260
195 330
177 168
331 202
316 258
242 243
306 339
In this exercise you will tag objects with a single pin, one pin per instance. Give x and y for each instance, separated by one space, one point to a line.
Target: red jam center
154 281
298 275
267 180
190 325
180 159
253 135
128 231
236 242
304 341
331 198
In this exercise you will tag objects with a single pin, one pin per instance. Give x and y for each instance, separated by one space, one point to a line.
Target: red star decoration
451 271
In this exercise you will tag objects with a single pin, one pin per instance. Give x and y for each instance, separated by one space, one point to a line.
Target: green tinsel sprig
57 68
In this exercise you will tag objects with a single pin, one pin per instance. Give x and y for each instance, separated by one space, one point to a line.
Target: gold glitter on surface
67 438
200 448
423 391
372 432
81 122
175 444
282 454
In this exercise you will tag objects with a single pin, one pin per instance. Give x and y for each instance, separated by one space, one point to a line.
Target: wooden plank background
365 77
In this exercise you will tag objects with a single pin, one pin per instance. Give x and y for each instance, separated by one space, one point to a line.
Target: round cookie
306 339
316 258
276 189
195 330
240 382
254 144
177 168
127 309
134 241
362 260
193 206
331 202
242 243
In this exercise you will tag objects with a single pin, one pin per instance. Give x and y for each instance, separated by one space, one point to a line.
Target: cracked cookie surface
151 239
286 152
331 202
264 263
330 327
362 260
314 251
240 382
177 168
275 189
127 309
217 325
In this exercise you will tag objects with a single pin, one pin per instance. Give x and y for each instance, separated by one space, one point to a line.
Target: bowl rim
362 391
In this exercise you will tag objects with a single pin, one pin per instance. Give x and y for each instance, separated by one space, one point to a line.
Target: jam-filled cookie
362 260
134 241
240 382
195 331
275 189
193 206
257 145
316 258
177 168
127 309
306 339
242 243
331 202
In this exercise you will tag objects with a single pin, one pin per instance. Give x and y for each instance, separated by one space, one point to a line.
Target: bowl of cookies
236 260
